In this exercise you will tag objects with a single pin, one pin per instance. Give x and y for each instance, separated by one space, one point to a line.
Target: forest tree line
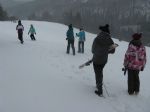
124 18
4 16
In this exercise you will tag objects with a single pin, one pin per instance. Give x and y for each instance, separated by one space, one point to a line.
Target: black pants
133 81
32 37
98 69
20 37
81 47
70 43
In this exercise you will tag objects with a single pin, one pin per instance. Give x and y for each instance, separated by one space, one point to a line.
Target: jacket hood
70 28
137 43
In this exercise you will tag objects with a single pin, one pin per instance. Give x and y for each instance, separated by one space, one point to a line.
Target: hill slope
40 77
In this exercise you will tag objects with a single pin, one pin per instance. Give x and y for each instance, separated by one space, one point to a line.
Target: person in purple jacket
20 30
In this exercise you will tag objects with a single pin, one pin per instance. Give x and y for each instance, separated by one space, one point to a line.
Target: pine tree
3 14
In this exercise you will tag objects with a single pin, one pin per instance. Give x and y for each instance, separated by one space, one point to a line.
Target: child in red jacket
134 61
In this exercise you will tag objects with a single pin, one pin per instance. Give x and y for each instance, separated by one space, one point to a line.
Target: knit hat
137 36
70 25
104 28
19 22
81 29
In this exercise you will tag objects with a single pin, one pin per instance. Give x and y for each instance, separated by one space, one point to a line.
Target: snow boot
21 42
98 93
136 92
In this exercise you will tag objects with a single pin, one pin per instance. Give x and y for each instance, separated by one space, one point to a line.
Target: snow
39 76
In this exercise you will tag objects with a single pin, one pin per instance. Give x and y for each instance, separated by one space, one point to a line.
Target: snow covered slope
39 76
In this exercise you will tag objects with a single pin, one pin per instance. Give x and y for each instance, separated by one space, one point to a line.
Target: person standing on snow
20 30
100 50
70 38
134 62
81 36
32 32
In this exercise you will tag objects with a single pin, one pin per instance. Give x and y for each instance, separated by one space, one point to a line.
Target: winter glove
142 68
112 51
125 69
87 64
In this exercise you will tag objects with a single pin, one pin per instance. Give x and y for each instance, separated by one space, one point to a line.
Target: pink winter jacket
135 57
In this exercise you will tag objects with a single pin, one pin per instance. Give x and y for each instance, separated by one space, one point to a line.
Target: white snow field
39 76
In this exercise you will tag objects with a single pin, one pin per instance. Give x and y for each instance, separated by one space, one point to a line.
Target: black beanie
104 28
19 22
70 25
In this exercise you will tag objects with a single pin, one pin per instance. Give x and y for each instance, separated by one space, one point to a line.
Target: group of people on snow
71 39
134 60
20 29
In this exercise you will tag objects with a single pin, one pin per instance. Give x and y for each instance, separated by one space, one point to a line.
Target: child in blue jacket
81 41
32 32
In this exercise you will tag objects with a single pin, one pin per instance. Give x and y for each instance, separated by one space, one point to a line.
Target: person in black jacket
20 30
100 50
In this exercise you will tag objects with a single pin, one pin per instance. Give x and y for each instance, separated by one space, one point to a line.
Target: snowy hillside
39 76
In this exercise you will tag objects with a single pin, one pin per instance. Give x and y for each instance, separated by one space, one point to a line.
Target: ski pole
106 90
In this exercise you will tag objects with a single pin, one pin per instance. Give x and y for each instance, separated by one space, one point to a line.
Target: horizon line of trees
4 16
124 18
123 23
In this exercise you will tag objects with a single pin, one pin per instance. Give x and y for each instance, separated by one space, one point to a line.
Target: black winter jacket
100 48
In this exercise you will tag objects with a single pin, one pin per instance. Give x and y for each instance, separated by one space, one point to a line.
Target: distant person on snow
70 38
100 50
134 61
81 41
20 30
32 32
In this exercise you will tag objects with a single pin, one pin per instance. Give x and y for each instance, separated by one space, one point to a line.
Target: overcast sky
23 0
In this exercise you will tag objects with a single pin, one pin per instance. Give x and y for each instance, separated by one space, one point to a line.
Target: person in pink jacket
134 62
